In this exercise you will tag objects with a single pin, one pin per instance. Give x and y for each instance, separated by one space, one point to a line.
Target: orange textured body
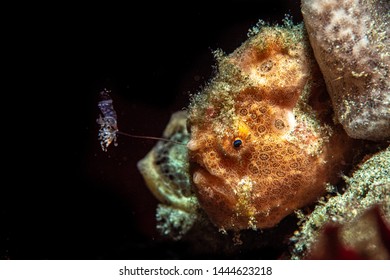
262 140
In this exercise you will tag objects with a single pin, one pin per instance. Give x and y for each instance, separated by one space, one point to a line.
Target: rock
351 43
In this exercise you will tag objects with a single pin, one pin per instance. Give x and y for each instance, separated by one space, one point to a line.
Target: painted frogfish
262 142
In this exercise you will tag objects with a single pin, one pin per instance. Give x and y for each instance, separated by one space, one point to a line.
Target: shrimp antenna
149 137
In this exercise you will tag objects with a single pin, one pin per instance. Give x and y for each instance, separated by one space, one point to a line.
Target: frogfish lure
108 123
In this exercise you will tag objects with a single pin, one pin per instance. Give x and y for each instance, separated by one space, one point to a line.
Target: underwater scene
232 130
285 147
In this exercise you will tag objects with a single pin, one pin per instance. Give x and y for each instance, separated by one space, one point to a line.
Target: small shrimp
108 121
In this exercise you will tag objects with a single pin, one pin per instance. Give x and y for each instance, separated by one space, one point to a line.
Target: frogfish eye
237 143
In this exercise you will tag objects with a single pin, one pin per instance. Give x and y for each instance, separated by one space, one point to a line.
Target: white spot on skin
254 74
197 177
245 183
291 120
193 145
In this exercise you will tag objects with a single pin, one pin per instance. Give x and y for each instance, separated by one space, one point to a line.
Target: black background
67 199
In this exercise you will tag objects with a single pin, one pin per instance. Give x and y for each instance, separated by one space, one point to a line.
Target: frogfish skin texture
262 140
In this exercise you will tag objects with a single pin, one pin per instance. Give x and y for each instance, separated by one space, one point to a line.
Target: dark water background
67 198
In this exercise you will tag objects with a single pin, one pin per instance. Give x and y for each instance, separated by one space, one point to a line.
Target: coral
165 171
368 186
351 43
262 141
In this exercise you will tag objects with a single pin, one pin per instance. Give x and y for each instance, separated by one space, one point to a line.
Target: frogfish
262 142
